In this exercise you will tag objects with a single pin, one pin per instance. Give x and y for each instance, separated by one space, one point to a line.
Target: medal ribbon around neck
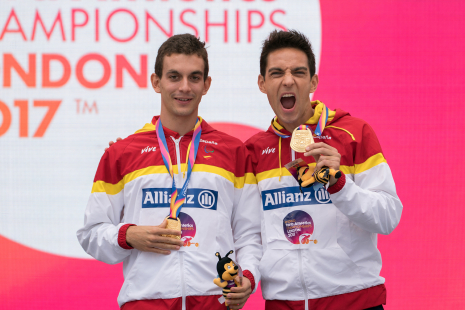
318 130
277 127
322 121
178 198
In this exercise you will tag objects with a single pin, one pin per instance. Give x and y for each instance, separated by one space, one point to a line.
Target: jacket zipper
179 184
183 284
179 180
302 279
300 260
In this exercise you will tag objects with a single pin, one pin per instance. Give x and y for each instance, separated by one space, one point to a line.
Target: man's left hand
325 155
239 295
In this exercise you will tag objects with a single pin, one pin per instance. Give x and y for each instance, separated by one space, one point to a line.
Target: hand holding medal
327 157
174 224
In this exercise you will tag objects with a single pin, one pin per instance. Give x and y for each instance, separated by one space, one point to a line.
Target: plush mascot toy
227 272
306 177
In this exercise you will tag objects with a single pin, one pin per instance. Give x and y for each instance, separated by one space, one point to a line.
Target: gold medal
300 139
174 225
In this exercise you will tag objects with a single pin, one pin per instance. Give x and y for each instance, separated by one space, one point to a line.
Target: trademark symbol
82 107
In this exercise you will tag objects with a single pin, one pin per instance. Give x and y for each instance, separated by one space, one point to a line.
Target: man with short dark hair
178 155
319 243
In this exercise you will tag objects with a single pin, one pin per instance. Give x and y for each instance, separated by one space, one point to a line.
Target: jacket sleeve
102 219
368 195
246 216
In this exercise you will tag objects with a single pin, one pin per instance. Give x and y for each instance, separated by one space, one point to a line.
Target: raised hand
325 156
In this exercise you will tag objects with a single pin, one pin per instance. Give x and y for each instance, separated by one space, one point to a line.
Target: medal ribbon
322 121
277 127
178 198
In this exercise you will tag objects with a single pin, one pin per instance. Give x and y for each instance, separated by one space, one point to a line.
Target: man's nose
288 79
184 87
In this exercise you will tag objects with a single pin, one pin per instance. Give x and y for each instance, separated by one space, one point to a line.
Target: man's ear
155 82
314 82
207 84
261 83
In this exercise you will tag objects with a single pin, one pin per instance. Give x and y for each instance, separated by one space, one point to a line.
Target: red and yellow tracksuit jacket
133 186
320 246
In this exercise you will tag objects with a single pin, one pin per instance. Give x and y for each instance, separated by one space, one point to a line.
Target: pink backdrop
397 65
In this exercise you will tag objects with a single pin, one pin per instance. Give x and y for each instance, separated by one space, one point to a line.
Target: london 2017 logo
298 227
188 230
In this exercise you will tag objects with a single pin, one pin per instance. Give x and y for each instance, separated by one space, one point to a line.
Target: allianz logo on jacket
292 196
268 150
195 198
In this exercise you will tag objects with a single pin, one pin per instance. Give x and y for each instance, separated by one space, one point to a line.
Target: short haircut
287 39
186 44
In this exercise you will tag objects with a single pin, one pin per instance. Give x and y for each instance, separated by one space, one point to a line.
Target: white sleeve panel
245 224
370 201
99 236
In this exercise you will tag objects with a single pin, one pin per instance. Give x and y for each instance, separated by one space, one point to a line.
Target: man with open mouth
339 268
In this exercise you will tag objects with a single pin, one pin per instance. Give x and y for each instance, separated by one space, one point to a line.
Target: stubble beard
183 112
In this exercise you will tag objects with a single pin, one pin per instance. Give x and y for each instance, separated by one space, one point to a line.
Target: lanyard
322 121
178 198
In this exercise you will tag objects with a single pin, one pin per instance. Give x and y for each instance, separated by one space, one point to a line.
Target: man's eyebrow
172 71
275 69
300 68
197 72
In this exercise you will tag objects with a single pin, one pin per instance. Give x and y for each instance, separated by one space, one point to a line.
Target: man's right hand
149 239
111 143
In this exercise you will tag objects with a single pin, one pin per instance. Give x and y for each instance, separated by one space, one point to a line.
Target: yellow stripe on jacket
356 169
113 189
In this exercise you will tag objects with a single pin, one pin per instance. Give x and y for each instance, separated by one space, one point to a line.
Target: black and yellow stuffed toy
306 177
227 272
